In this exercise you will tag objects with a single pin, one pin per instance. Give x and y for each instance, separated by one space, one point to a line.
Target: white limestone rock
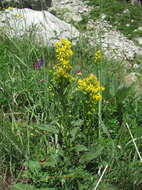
114 44
139 40
42 24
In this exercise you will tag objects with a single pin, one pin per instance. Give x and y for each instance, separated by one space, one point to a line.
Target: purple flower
78 72
38 64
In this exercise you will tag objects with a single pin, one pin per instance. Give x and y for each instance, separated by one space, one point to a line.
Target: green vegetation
52 134
70 119
120 14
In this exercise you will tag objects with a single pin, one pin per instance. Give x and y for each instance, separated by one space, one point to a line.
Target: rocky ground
100 33
74 9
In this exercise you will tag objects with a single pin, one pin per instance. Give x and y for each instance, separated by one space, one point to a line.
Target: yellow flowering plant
85 92
91 93
61 73
63 54
91 86
63 50
10 8
98 56
61 78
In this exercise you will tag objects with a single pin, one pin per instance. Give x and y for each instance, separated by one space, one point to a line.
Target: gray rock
114 44
45 27
75 9
139 40
100 33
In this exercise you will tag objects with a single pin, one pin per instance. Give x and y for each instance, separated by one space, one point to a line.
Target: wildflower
63 50
91 86
18 15
38 64
63 53
78 72
32 134
10 8
98 56
66 65
62 73
97 97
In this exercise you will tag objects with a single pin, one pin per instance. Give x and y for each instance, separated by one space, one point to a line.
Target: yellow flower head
62 73
18 15
91 86
63 50
66 65
63 53
10 8
98 56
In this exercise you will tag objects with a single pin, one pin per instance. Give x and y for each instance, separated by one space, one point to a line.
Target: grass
52 135
124 16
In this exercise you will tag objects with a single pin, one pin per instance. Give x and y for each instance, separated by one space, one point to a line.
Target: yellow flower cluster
63 50
65 65
61 73
63 53
10 8
18 15
98 56
91 86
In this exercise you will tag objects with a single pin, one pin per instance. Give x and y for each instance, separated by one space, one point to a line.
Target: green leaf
46 188
33 165
20 186
48 128
74 132
77 123
53 160
92 154
123 92
51 163
80 148
113 86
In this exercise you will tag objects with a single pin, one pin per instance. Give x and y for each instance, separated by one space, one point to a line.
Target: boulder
45 27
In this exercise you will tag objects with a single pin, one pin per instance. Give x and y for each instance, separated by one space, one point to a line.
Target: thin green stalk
100 102
28 144
99 111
